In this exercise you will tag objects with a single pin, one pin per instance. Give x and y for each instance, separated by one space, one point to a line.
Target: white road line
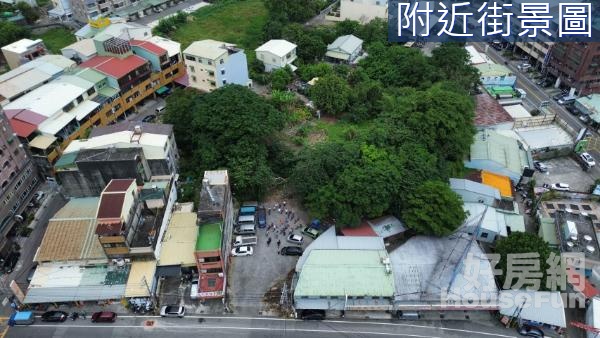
197 327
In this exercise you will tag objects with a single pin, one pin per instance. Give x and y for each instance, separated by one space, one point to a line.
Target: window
79 99
189 57
221 61
91 91
4 184
6 164
68 107
194 78
209 62
484 235
273 59
223 72
16 152
224 82
192 69
211 282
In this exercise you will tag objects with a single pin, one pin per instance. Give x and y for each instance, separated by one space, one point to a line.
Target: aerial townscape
286 168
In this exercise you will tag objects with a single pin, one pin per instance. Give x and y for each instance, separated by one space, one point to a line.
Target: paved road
171 10
226 327
535 94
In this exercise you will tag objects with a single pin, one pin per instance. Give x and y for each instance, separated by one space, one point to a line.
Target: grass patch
233 21
56 39
339 130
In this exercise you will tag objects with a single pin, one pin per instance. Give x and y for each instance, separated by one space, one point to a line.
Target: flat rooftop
545 136
584 241
209 237
179 240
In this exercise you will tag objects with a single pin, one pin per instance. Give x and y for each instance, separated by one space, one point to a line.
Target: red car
104 317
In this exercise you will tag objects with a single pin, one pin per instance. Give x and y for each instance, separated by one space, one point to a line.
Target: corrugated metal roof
42 142
489 112
341 273
345 43
119 185
387 226
493 220
551 311
516 222
85 207
505 151
548 231
179 241
140 278
111 205
70 240
500 182
476 187
23 129
149 46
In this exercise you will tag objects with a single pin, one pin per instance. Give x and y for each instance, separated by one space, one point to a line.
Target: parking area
567 170
251 277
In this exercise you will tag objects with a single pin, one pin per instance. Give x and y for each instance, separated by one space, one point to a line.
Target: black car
149 118
291 251
571 109
530 331
261 216
312 314
54 316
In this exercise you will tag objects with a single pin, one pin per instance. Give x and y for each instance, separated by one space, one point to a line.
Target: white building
363 11
345 48
81 50
23 51
212 64
489 223
277 54
61 10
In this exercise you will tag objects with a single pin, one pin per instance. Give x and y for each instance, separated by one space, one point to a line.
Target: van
245 229
244 211
246 219
160 109
194 290
21 318
250 204
567 100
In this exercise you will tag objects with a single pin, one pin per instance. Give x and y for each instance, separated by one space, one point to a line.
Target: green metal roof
504 150
108 91
209 237
492 69
516 222
339 273
66 160
91 75
548 231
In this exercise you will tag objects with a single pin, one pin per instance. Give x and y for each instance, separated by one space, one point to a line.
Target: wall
154 61
129 202
76 185
271 61
362 10
167 217
13 59
236 70
499 80
470 196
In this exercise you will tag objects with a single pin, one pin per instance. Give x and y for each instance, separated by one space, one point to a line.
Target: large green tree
31 14
454 63
281 77
522 243
433 209
228 128
9 33
331 94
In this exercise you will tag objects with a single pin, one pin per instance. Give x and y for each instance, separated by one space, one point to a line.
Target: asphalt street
253 327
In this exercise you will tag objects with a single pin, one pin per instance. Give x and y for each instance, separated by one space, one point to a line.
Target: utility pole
152 295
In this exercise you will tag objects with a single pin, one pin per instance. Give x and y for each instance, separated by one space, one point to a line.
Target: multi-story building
576 65
123 150
275 54
18 180
61 10
363 11
212 64
23 51
215 219
117 27
98 92
84 10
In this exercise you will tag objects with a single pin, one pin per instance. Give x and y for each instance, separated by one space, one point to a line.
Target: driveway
148 108
566 170
250 278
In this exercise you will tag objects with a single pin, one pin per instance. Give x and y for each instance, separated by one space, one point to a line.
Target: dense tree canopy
433 209
214 131
31 14
522 243
9 33
331 94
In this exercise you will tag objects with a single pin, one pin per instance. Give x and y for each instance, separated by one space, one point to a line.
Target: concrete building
80 51
493 74
490 224
363 11
543 309
499 154
215 221
575 65
475 192
213 64
346 49
61 10
23 51
276 54
31 75
18 181
115 27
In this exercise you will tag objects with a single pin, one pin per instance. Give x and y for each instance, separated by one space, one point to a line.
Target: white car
560 187
295 239
588 159
172 311
194 290
39 196
242 251
524 66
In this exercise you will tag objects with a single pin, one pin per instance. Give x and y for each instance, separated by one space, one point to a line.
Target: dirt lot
254 277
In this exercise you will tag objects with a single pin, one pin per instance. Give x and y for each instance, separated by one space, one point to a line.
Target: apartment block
23 51
212 64
18 181
576 65
363 11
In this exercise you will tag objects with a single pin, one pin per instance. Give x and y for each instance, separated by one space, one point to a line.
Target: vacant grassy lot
56 38
233 21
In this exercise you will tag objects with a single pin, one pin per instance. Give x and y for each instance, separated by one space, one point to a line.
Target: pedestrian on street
284 203
268 241
278 243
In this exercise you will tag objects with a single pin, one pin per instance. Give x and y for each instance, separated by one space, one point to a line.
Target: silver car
295 239
172 311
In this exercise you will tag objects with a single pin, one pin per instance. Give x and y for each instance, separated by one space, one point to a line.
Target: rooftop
209 49
517 111
23 121
85 207
70 240
540 137
493 220
500 182
150 128
345 43
503 150
149 46
576 233
209 237
172 47
548 231
364 229
591 103
475 57
140 274
153 145
475 187
113 66
491 69
386 226
111 206
119 185
277 47
489 112
85 47
551 312
212 197
179 240
342 273
22 45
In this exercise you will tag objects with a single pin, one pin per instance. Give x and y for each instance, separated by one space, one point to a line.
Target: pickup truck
244 241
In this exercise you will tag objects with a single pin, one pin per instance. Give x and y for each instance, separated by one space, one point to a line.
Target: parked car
311 232
571 109
295 239
172 311
540 166
54 316
291 251
588 159
262 217
39 196
104 317
560 187
585 118
242 251
558 96
567 100
530 331
149 118
312 314
523 67
194 290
